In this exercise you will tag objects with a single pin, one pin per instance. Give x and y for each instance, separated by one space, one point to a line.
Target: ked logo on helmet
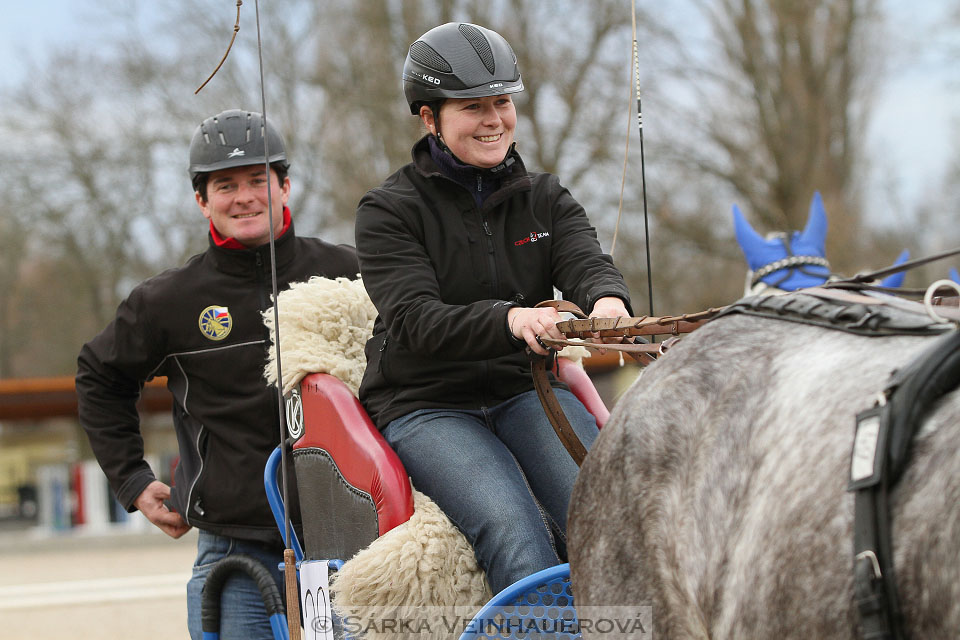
215 322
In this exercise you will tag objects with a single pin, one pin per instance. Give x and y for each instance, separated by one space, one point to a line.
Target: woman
454 248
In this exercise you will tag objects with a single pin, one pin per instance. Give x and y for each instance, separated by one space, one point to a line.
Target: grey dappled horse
716 493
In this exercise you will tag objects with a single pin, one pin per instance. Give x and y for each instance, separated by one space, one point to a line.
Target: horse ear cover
815 232
755 248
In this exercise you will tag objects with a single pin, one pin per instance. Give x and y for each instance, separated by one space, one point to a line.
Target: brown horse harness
628 328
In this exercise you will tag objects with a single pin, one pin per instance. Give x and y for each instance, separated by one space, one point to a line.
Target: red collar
233 243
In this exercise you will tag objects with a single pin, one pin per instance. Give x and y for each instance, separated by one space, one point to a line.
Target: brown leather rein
583 327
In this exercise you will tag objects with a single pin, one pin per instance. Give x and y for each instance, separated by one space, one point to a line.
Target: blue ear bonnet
787 261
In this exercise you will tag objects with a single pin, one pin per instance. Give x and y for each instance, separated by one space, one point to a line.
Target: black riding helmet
234 138
459 60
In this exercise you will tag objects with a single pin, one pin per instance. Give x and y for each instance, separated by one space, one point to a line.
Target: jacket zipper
383 348
261 283
193 485
492 259
495 278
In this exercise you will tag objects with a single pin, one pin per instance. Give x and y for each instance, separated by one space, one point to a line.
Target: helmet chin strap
435 112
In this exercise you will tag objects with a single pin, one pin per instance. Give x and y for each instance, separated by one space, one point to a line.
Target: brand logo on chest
215 322
533 237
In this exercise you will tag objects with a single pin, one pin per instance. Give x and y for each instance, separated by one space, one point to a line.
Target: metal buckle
872 557
666 344
928 299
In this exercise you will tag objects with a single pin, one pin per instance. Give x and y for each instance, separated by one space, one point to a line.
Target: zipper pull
479 183
383 347
486 228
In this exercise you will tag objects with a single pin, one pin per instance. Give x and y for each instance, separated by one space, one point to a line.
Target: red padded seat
353 487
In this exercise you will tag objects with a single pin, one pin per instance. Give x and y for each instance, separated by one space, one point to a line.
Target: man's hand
150 503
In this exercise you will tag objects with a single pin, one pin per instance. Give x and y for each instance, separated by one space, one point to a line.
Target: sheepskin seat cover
423 571
324 325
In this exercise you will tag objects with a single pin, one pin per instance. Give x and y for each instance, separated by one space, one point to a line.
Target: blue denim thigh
454 457
522 425
242 614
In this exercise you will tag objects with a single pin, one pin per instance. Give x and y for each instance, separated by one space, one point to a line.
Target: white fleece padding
324 325
421 570
574 353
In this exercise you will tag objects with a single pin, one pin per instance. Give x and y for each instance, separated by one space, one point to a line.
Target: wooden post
293 593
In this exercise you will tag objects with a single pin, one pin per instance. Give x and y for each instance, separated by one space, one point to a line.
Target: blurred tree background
758 103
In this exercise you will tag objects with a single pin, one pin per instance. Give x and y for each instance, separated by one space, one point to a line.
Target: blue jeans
500 474
242 614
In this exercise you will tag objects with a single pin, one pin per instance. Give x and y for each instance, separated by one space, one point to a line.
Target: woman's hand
609 307
528 324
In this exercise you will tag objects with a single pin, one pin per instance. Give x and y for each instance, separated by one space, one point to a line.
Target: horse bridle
792 262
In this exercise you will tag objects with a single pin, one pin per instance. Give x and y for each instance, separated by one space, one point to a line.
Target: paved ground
108 585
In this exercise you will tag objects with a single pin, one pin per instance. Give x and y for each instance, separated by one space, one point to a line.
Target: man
200 325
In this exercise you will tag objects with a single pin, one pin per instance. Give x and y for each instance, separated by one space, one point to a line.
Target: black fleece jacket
224 414
443 273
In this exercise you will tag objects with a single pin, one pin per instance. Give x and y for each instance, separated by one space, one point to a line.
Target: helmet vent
216 122
425 55
480 45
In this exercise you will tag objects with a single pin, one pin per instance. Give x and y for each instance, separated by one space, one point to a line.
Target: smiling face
236 203
479 131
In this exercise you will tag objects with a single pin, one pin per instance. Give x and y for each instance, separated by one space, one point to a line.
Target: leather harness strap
584 327
631 327
551 406
880 454
558 419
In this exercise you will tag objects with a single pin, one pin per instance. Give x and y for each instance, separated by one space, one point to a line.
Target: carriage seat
353 487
